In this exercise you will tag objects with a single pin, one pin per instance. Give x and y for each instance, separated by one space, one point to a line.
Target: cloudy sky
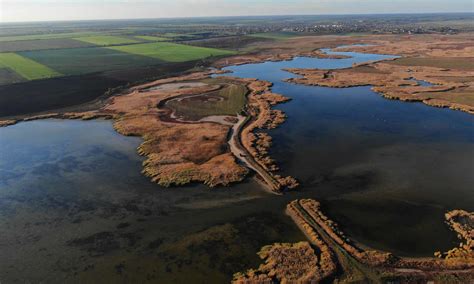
44 10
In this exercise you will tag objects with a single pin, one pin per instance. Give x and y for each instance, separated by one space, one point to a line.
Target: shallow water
422 83
74 206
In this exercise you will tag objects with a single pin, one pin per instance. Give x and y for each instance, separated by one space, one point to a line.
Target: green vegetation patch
75 61
277 36
25 67
104 40
230 100
39 44
171 51
460 63
152 38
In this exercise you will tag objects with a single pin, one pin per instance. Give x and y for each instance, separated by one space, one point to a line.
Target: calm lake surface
74 206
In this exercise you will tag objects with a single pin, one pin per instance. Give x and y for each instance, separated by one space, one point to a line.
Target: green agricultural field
39 44
74 61
47 36
152 38
233 101
171 51
25 67
104 40
277 36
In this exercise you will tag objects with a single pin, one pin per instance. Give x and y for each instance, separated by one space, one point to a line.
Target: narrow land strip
340 260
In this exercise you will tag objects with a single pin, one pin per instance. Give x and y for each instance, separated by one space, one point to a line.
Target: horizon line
235 16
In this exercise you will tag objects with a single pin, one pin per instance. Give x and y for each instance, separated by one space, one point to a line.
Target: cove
385 170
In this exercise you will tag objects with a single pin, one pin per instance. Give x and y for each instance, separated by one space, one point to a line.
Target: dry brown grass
284 263
457 63
177 153
461 222
259 108
429 45
305 212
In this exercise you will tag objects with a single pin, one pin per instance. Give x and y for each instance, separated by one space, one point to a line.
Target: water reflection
388 170
74 206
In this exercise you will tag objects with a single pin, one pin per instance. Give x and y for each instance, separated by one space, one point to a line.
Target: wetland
77 208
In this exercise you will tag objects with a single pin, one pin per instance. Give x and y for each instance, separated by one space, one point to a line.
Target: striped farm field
46 36
152 38
171 52
41 44
74 61
104 40
25 67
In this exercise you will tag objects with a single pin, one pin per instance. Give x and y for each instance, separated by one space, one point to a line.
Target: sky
54 10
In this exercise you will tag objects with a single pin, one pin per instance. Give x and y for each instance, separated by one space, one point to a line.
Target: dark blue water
422 83
272 71
386 170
